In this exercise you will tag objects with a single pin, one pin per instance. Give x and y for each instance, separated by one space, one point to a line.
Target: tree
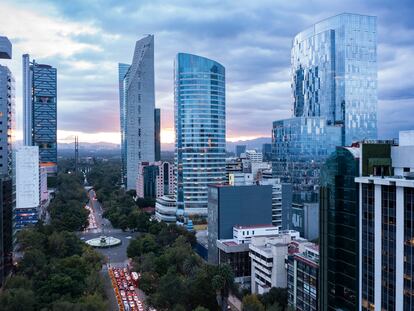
199 308
252 303
275 295
94 302
223 282
179 308
275 307
142 222
123 222
200 290
142 245
31 238
33 261
17 299
170 290
149 282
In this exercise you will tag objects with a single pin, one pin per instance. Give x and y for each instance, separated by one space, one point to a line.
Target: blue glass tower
44 112
334 74
334 86
122 71
40 104
200 127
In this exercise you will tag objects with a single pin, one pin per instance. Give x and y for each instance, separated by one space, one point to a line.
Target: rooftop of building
321 25
254 226
404 181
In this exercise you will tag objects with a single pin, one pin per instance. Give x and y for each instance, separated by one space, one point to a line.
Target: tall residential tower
200 128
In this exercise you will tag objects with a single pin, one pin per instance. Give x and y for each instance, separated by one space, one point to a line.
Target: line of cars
91 219
126 283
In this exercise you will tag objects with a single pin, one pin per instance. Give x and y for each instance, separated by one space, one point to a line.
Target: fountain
104 242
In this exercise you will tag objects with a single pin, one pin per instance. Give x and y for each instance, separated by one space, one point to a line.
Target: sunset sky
85 40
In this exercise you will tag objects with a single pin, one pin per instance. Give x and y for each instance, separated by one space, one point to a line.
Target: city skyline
86 50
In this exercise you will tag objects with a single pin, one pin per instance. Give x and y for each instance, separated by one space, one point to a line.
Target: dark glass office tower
339 221
40 117
338 232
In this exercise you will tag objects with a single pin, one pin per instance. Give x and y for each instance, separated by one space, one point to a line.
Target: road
115 256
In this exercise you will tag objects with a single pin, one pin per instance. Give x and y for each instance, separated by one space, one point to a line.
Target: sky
85 41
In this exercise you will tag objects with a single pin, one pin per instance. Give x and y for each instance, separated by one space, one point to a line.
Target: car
131 288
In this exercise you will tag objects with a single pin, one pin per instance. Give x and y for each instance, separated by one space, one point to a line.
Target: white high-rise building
27 185
139 105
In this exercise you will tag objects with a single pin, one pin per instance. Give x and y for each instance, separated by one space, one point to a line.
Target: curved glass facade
334 88
200 127
334 74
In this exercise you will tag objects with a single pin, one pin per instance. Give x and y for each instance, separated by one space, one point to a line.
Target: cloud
86 39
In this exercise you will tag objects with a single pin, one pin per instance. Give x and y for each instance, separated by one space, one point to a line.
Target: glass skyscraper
334 74
139 96
200 127
300 147
338 233
334 81
40 104
122 71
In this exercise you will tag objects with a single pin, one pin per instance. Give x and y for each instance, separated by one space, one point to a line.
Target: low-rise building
233 165
254 156
235 251
155 179
303 273
268 256
240 179
166 209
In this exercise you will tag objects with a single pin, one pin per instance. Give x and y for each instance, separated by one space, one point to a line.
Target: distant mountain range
230 146
251 144
94 146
